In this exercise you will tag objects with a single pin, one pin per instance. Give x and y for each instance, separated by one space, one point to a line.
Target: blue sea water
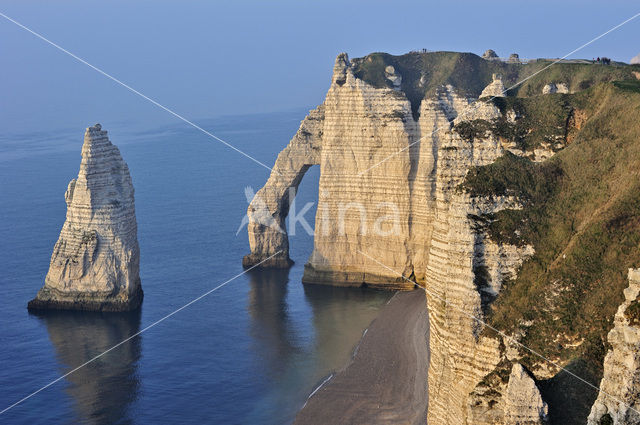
250 352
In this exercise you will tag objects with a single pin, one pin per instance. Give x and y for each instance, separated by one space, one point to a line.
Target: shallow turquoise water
250 352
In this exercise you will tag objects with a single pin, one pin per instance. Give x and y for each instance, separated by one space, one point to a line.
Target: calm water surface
250 352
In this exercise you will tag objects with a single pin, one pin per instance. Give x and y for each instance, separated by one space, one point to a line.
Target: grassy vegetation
541 120
577 76
424 73
582 215
628 85
532 183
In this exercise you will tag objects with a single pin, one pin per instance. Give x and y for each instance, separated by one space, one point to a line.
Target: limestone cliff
619 397
95 262
376 160
270 206
395 140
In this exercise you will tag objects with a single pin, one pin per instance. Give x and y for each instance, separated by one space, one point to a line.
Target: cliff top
423 73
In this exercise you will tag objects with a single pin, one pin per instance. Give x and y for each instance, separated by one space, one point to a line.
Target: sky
216 58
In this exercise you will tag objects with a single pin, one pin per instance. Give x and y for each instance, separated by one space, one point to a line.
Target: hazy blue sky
206 59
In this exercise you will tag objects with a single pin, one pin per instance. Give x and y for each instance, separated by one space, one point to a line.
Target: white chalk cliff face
95 262
270 206
377 160
619 396
495 89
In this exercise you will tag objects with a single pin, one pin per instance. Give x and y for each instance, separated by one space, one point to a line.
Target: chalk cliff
95 262
377 161
395 139
619 397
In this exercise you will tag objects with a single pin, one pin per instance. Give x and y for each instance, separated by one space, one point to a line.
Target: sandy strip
386 381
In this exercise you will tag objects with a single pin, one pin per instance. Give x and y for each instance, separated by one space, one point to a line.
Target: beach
385 382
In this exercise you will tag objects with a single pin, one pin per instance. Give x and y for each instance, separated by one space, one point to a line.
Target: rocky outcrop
464 273
619 397
635 60
516 400
95 262
523 402
489 54
391 75
555 88
495 89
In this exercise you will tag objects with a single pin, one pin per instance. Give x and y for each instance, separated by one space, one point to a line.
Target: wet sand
386 381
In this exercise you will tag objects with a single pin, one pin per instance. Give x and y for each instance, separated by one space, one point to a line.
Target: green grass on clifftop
424 73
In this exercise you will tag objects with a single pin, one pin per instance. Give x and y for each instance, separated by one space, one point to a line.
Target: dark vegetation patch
539 120
532 183
606 419
569 398
632 313
628 85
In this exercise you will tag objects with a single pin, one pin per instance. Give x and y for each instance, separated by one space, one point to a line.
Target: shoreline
385 380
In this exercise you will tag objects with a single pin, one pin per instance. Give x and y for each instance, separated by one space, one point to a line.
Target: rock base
277 262
54 300
354 278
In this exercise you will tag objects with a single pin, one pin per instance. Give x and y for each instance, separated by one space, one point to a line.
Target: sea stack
96 260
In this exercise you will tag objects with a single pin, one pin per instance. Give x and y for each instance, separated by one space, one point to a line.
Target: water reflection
103 390
339 317
300 334
271 327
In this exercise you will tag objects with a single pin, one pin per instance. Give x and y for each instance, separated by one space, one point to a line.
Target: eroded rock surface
523 402
619 397
268 210
555 88
495 89
95 262
489 54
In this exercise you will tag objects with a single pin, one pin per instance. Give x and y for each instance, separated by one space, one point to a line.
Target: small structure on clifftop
514 58
95 263
489 54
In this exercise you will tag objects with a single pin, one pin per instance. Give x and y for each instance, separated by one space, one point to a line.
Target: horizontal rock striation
95 262
619 397
269 208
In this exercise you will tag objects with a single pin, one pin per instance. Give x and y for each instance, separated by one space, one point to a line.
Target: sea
250 352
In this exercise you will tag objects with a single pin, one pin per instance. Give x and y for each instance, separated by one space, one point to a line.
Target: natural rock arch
269 208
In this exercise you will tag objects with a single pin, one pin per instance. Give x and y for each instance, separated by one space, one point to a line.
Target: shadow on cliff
103 390
570 399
